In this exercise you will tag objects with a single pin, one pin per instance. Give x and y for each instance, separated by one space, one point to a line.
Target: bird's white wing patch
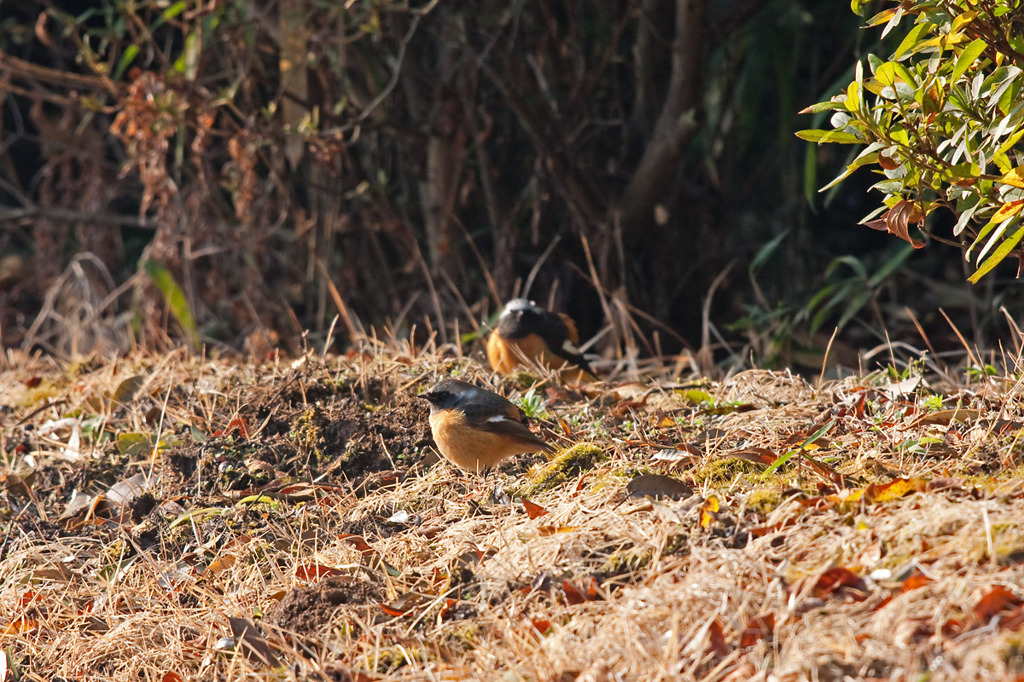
498 418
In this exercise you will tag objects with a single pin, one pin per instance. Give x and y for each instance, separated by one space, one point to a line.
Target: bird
526 333
475 429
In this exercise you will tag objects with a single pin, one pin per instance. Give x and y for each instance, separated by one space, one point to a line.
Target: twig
8 213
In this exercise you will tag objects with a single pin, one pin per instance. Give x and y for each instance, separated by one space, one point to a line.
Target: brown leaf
993 602
759 628
915 580
445 611
897 221
315 571
249 640
358 542
887 162
239 424
20 626
658 486
403 605
945 417
220 564
757 455
533 510
837 578
1013 620
577 592
128 389
17 486
716 639
541 625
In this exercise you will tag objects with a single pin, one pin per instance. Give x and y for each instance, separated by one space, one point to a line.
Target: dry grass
272 473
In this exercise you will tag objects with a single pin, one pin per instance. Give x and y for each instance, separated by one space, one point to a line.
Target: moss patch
565 466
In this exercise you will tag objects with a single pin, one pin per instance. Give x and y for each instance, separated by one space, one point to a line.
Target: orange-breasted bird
476 429
526 333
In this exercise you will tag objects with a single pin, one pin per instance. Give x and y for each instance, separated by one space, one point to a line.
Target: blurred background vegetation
234 172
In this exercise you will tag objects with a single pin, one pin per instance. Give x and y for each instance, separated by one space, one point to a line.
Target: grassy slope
366 558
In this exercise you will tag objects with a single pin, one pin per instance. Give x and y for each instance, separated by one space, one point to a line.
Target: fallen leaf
358 542
20 626
315 571
895 489
993 602
581 591
944 417
220 564
541 625
401 606
128 389
757 455
546 531
658 486
716 640
836 578
239 424
1013 620
17 486
708 510
124 492
533 510
759 628
915 580
249 640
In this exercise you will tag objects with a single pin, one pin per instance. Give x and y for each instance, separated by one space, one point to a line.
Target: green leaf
175 299
823 106
766 252
779 462
810 439
854 306
891 265
126 60
912 37
967 57
823 136
853 97
997 256
894 22
881 18
891 73
862 160
128 389
136 444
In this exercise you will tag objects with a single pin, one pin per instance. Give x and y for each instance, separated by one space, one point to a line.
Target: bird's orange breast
505 355
472 448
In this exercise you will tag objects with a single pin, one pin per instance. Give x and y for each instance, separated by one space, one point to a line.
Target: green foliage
532 404
175 298
942 119
849 294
